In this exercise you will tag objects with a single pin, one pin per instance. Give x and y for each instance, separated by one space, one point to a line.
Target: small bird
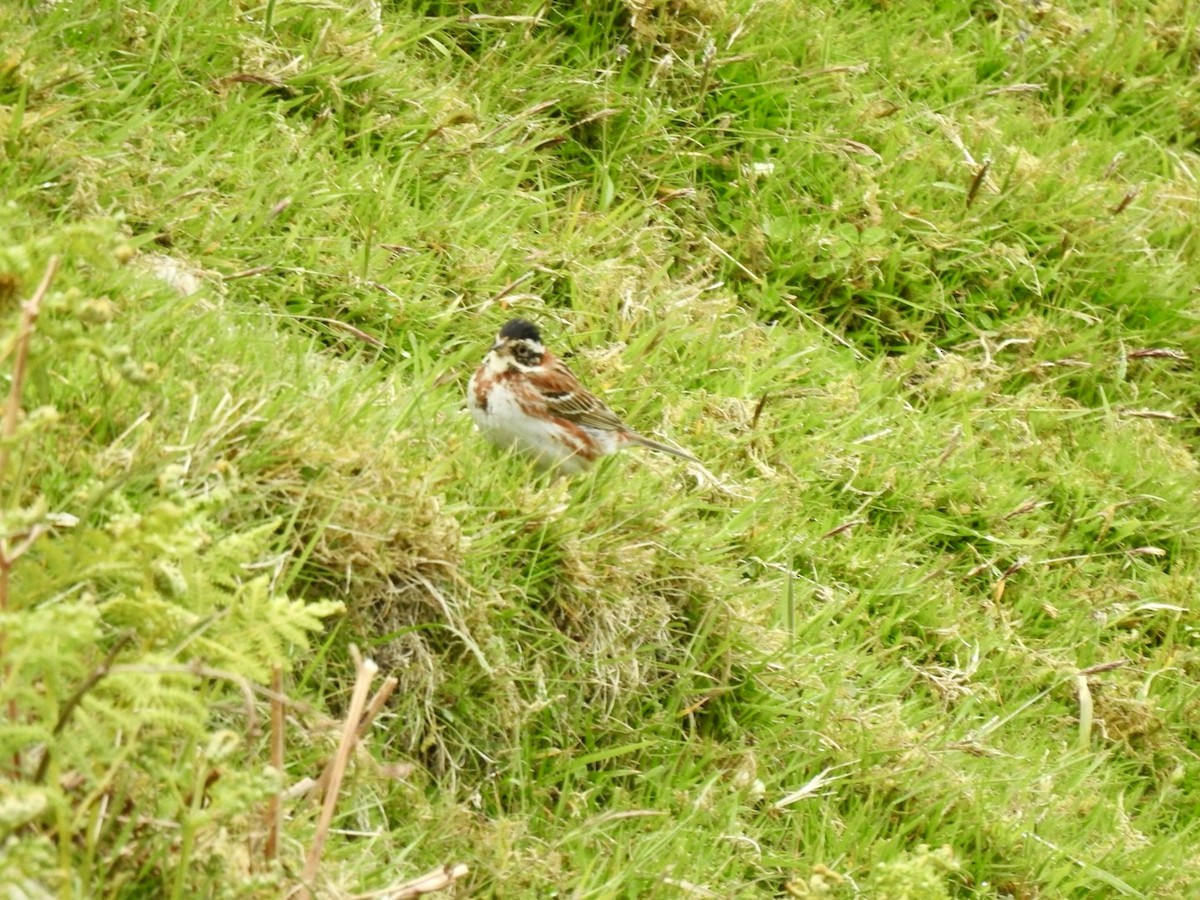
524 397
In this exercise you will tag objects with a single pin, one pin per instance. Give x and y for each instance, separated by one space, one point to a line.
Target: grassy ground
917 281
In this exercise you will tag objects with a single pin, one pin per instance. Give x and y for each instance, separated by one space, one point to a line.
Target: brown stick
373 708
358 700
977 182
376 704
1130 196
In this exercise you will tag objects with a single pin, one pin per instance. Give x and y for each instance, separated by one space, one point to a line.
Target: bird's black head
520 330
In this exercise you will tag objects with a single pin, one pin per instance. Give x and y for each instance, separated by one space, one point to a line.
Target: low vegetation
917 282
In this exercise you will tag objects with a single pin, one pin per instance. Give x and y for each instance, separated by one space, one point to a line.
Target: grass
916 281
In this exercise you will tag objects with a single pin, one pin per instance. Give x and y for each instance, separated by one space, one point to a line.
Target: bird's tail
636 438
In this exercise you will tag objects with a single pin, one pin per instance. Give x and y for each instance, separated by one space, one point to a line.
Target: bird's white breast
503 422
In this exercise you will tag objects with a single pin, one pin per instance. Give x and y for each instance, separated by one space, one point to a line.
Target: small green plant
920 874
135 637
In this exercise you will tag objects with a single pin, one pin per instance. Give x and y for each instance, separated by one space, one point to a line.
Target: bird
524 397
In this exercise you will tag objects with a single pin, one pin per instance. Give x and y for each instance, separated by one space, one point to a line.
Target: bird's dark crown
520 330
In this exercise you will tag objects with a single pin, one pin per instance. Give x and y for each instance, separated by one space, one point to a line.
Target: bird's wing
566 398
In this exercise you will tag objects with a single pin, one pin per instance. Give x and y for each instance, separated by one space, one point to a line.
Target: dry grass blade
811 788
518 20
1085 711
1157 353
347 327
1029 88
437 880
1104 667
247 273
1151 414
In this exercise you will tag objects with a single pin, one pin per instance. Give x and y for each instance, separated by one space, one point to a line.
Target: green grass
916 281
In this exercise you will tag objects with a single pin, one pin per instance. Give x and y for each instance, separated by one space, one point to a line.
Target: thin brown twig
373 709
1130 196
843 528
1104 667
1157 353
977 181
511 286
376 705
762 402
358 700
